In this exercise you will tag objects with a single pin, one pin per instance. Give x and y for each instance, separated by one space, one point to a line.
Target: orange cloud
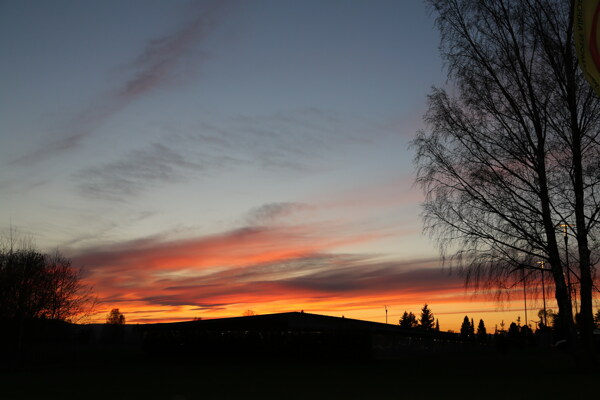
267 269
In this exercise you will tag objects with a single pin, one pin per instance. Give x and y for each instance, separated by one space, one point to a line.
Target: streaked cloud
157 65
295 139
294 265
270 213
157 164
298 141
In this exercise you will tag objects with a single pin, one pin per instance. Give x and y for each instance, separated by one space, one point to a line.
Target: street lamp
386 314
525 295
542 264
536 324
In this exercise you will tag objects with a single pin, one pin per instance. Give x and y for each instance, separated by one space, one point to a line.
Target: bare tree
511 153
34 285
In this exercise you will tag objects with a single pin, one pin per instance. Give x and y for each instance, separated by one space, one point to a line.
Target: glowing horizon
281 269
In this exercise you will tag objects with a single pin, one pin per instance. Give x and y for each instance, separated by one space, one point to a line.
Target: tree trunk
586 316
561 292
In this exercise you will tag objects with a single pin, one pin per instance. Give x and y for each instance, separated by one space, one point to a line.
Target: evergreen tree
481 331
408 320
427 319
437 325
465 328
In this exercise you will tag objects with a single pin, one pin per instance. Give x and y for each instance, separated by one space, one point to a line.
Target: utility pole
386 314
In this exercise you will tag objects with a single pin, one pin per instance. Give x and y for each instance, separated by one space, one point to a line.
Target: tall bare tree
510 151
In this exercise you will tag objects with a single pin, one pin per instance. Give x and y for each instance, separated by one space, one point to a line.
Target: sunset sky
203 158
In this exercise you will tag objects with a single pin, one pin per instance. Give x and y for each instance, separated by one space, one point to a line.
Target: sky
204 158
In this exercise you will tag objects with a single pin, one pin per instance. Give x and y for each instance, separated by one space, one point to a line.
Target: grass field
530 375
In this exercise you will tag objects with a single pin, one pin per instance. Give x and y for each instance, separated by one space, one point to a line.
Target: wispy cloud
156 66
271 213
129 175
236 248
298 139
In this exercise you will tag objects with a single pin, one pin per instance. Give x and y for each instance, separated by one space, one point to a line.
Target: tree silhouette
408 320
481 331
514 330
34 285
115 317
248 313
515 152
465 328
427 320
546 317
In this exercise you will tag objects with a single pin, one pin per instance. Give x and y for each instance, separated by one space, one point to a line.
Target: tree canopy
115 317
37 285
481 330
511 149
408 320
427 320
465 328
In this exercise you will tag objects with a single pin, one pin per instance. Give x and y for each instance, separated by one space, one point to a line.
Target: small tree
248 313
115 317
408 320
427 320
437 325
465 328
597 319
481 331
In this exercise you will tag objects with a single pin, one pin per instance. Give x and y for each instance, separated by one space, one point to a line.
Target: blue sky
128 124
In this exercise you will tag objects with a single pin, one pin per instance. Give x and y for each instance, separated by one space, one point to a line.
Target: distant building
293 335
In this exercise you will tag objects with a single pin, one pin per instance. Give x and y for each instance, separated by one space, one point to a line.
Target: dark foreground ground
516 375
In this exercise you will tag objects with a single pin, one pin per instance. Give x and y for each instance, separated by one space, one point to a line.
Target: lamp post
525 295
542 264
536 324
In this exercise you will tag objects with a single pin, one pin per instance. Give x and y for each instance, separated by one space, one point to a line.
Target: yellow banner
587 39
